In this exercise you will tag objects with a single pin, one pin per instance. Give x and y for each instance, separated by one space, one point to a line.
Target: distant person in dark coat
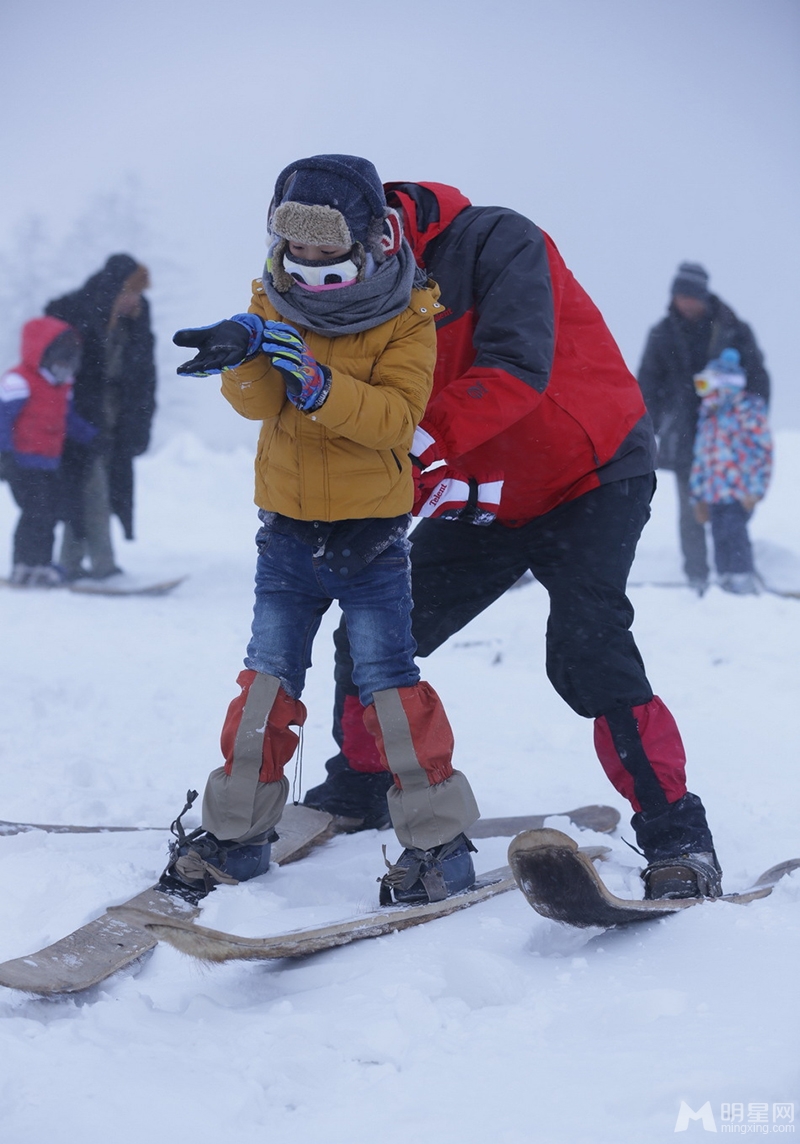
697 328
115 392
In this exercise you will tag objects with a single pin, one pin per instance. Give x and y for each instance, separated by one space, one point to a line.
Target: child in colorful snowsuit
335 357
731 467
36 417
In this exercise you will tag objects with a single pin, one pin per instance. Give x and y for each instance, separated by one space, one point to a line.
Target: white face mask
325 274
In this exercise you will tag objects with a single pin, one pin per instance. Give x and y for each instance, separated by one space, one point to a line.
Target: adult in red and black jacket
531 389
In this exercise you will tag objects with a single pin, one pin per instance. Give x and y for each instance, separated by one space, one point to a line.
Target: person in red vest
536 454
36 417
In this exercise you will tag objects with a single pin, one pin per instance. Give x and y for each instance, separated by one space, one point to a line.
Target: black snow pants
36 491
581 552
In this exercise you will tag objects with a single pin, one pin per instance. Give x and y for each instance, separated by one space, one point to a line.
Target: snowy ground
492 1025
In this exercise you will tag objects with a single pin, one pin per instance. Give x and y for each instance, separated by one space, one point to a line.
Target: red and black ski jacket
529 383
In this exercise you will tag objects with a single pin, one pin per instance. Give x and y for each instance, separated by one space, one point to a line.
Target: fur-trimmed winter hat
334 200
311 193
691 281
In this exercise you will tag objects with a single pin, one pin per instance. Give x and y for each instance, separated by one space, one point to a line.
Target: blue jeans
294 588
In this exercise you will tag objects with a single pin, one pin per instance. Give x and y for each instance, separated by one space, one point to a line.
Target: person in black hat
698 326
114 392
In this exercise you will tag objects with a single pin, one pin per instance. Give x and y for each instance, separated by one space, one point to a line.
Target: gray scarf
354 308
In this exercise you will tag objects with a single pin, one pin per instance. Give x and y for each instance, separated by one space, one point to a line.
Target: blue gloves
226 345
307 382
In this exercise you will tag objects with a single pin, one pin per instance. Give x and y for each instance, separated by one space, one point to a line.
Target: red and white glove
441 492
449 495
487 504
425 449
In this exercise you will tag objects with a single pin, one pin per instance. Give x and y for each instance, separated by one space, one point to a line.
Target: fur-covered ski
7 828
215 945
111 942
603 819
560 882
117 938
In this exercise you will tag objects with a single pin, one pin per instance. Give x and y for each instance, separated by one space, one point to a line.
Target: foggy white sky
638 133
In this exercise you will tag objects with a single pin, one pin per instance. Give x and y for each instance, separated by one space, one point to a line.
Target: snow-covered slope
493 1024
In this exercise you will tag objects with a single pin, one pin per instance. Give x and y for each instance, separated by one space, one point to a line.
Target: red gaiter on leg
279 742
662 746
358 746
425 735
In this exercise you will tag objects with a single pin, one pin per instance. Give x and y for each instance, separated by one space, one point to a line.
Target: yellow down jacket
348 459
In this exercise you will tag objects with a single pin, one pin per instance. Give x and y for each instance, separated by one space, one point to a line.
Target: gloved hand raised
221 346
227 344
449 495
307 382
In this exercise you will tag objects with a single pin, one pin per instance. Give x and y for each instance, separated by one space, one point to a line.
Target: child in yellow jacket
335 357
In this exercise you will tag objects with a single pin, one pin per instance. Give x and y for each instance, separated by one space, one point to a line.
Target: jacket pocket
392 464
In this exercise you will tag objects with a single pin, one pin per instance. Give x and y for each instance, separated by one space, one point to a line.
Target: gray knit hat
691 281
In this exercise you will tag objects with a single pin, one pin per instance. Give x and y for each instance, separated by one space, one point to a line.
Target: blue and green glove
228 344
307 382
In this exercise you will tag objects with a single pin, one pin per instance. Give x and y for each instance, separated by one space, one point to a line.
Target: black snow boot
356 799
680 850
685 876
